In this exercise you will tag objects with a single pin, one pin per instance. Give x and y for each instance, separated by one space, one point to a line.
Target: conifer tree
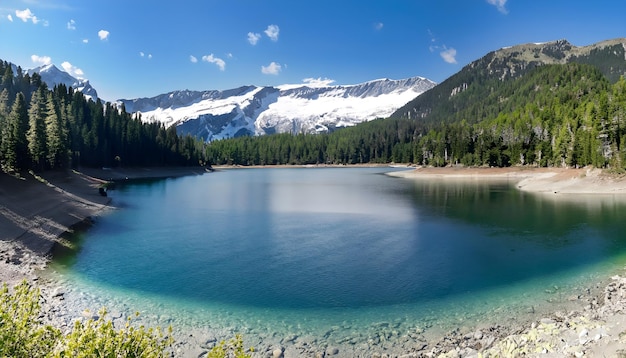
56 136
14 144
4 113
5 105
36 134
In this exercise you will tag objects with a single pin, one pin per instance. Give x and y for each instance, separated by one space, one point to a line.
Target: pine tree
36 134
14 144
56 136
5 105
4 113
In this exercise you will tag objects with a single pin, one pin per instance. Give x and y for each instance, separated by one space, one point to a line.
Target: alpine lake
341 256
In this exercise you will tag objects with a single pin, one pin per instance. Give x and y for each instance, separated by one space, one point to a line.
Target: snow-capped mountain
52 76
253 110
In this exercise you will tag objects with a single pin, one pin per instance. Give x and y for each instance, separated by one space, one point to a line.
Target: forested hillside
465 89
43 128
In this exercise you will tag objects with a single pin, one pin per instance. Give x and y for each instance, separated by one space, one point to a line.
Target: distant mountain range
253 110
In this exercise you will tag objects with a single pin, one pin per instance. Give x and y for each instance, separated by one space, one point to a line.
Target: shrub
21 332
100 339
231 348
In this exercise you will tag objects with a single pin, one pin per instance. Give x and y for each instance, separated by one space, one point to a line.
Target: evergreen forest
558 115
45 128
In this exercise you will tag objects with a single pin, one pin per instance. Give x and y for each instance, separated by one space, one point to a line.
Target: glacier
253 110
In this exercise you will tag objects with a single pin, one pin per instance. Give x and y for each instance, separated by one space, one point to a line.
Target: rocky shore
595 326
36 211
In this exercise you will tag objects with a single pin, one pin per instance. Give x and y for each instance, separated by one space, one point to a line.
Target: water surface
307 249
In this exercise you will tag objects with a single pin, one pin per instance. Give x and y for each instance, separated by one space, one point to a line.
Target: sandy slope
35 213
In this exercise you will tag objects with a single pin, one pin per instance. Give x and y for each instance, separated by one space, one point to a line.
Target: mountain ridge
255 110
443 101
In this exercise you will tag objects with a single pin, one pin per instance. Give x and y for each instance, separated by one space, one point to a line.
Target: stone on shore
277 353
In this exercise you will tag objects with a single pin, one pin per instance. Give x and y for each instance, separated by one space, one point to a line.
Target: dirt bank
36 210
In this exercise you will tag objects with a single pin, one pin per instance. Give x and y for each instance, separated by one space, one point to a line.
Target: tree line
556 115
43 128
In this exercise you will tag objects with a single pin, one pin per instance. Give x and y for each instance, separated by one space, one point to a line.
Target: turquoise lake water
306 250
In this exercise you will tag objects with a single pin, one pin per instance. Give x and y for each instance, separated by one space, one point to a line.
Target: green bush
231 348
22 334
100 339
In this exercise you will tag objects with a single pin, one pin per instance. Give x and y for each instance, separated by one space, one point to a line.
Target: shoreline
38 211
562 181
35 216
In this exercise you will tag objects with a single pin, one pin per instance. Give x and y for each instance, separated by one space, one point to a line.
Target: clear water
312 251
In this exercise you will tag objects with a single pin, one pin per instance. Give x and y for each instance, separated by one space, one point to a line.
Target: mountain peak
52 76
46 68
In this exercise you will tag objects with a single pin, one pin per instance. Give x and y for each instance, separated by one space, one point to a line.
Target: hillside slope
478 79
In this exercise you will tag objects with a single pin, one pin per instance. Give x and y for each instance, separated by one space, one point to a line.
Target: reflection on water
497 206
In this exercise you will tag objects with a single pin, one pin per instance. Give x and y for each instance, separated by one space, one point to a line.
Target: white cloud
72 70
379 26
500 5
41 60
253 38
217 61
271 69
448 55
193 59
272 32
10 17
229 55
433 40
318 82
85 41
26 15
103 35
71 25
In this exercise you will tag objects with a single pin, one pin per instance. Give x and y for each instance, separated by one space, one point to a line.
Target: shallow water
334 252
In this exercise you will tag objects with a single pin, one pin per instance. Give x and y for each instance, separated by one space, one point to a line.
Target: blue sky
131 48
